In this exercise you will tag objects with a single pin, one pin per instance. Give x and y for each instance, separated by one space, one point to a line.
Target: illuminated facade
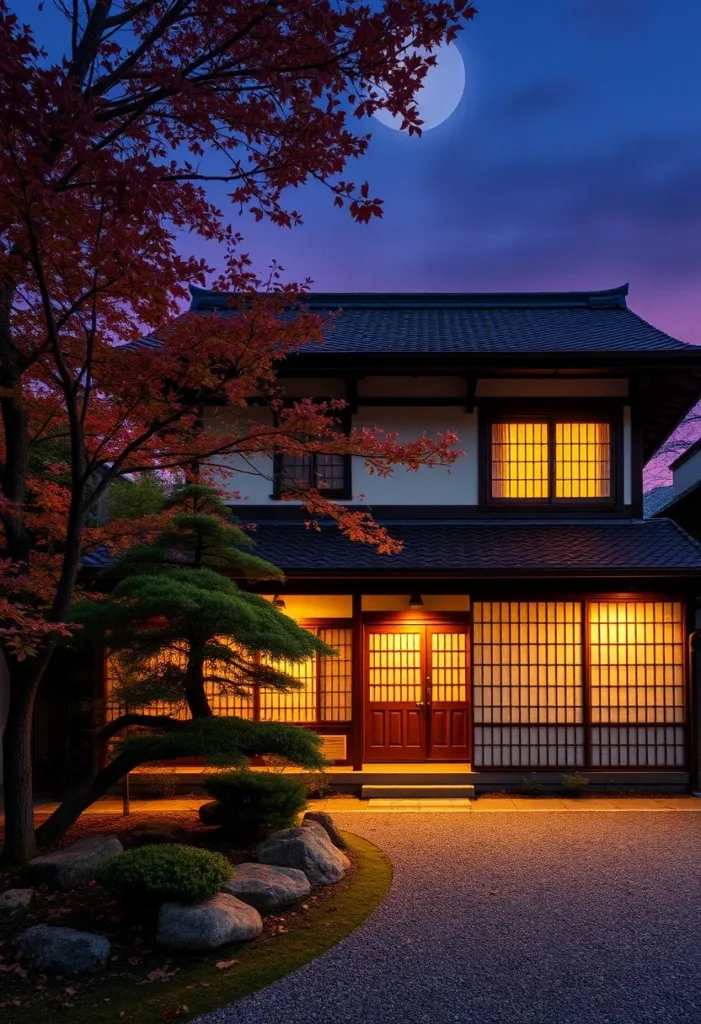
534 620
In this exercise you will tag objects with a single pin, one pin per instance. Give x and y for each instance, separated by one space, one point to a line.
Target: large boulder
64 950
198 927
267 887
74 864
308 849
328 825
15 901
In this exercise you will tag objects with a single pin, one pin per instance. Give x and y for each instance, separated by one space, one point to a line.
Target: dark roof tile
471 324
657 545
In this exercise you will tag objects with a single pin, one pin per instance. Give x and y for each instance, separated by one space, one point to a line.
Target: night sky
572 162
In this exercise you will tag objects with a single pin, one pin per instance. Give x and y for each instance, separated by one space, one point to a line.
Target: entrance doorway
417 692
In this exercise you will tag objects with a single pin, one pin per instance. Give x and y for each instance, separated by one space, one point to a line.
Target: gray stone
64 950
15 901
74 864
327 823
267 887
197 927
308 849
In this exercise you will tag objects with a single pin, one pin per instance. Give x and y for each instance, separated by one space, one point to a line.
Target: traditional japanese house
534 621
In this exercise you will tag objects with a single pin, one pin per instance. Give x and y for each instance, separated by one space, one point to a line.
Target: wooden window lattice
326 695
582 460
394 667
449 667
528 684
637 683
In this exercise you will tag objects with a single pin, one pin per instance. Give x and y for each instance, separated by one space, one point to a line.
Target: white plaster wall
252 476
456 485
510 387
687 474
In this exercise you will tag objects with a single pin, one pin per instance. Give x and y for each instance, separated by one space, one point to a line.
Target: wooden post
126 796
357 684
126 804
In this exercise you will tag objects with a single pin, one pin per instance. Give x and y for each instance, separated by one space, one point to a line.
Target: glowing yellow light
582 460
520 460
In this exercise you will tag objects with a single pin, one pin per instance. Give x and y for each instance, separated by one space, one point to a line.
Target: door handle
421 703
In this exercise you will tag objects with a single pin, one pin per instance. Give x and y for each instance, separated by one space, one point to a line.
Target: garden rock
64 950
198 927
328 825
15 901
267 887
308 849
74 864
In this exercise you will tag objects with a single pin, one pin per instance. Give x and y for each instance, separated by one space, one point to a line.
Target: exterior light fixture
279 603
416 601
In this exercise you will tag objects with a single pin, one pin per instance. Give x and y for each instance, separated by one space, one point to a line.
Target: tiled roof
477 324
481 548
656 499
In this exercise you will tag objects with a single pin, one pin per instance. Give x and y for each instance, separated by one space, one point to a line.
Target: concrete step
417 793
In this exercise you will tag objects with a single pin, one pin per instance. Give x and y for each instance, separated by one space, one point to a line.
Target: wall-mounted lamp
416 601
279 603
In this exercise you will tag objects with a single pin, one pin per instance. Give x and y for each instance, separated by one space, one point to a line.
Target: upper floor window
551 459
330 473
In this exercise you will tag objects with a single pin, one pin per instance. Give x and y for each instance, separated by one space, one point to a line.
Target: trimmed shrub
249 805
154 874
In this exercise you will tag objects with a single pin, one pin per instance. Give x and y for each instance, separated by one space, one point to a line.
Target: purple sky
572 162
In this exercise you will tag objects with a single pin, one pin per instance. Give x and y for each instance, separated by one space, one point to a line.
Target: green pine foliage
249 805
176 595
227 743
150 875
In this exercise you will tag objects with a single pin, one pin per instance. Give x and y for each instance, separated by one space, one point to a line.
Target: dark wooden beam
357 684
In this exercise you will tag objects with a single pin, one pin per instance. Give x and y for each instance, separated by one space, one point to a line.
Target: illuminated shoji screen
582 460
336 676
394 667
449 667
520 460
637 683
327 686
528 686
221 701
296 706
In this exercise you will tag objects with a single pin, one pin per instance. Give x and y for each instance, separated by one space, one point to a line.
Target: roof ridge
610 298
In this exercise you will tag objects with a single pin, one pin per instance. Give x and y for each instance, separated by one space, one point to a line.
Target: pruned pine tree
180 632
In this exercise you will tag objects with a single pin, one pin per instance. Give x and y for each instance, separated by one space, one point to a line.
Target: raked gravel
512 919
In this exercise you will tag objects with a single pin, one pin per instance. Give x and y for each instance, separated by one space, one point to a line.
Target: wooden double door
417 690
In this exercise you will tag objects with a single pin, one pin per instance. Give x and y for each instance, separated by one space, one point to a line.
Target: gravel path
512 919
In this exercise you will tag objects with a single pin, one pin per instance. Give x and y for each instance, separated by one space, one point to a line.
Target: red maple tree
104 160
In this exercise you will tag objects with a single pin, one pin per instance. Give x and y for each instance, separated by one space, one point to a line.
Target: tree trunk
25 678
17 768
193 682
82 796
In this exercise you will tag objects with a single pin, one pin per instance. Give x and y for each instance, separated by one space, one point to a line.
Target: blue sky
573 161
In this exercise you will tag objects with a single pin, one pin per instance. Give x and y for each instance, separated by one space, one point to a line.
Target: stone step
418 793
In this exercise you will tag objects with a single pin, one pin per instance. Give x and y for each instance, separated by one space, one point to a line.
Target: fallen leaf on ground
160 974
224 965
